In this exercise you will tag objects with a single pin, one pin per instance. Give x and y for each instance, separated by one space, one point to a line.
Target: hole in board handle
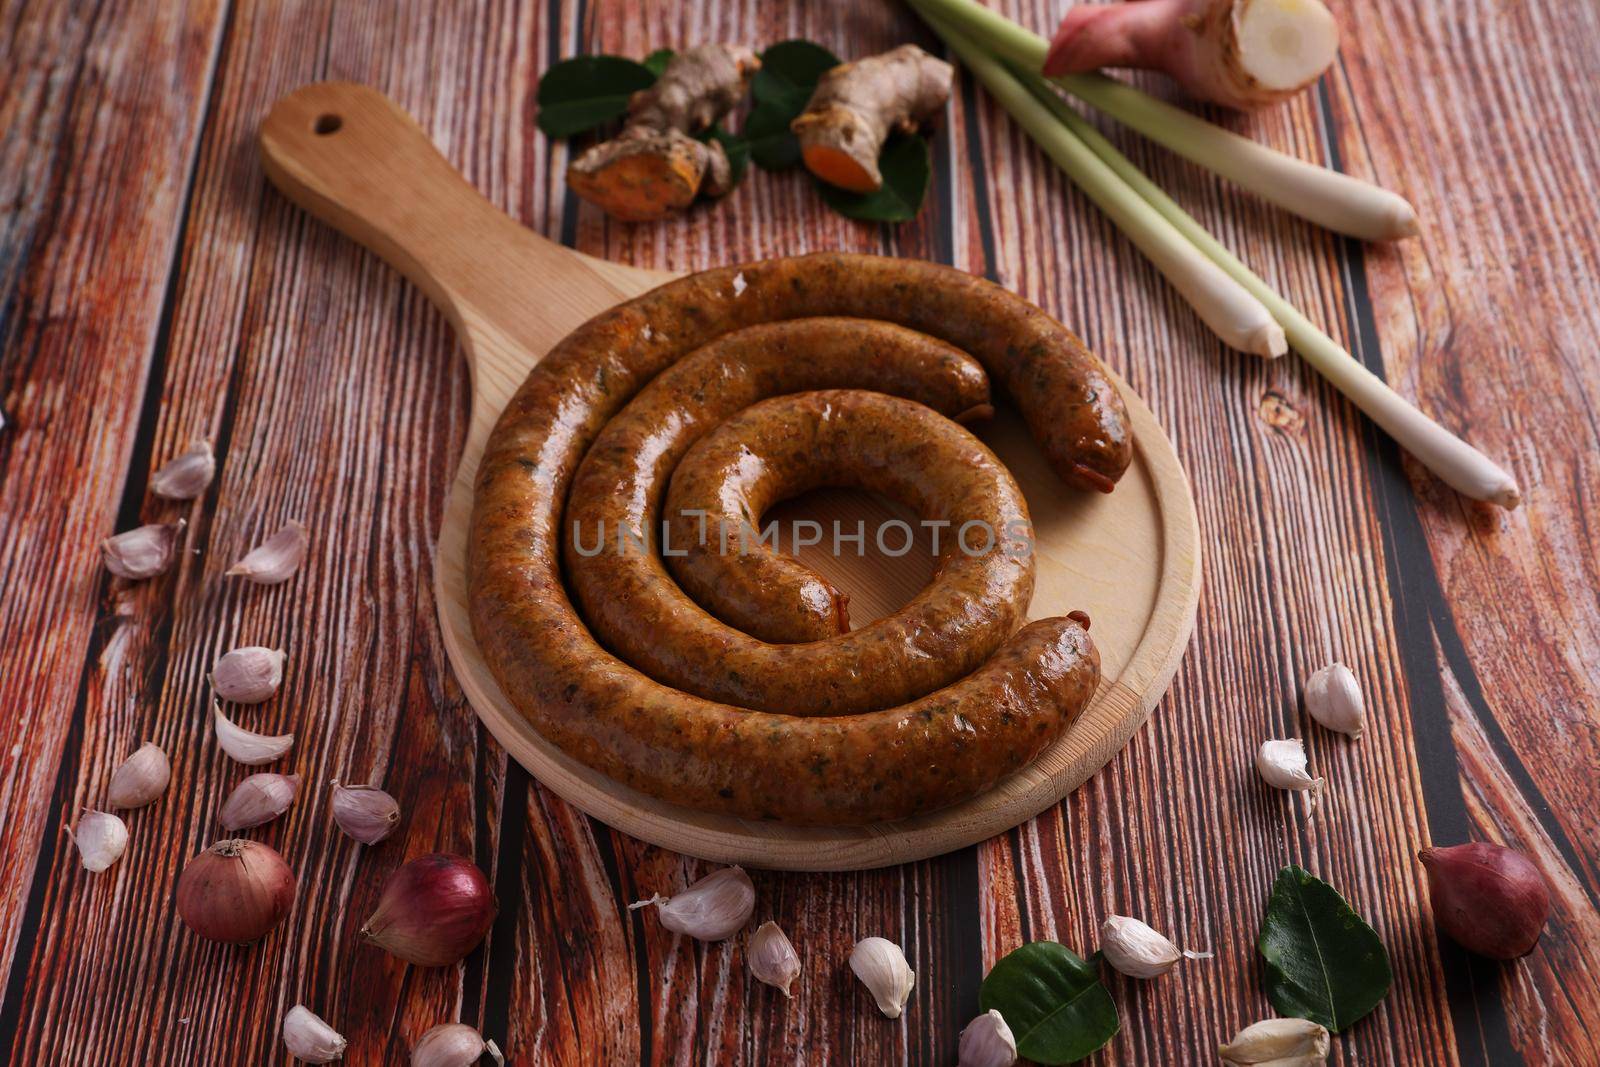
327 124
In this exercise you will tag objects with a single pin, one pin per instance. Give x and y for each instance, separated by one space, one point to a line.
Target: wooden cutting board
350 156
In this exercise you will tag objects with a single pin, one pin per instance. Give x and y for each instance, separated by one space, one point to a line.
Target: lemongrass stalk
1238 318
1457 463
1337 201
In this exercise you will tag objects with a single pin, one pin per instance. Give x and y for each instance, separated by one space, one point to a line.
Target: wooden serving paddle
354 159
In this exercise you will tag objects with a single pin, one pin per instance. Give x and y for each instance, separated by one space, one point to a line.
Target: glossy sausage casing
891 764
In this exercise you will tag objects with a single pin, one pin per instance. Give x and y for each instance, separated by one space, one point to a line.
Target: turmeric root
1239 53
857 105
654 167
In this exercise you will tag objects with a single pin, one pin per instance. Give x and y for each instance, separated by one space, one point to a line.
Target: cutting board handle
355 159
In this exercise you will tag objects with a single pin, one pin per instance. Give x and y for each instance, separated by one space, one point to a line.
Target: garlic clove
882 968
259 799
143 552
452 1045
1277 1043
772 958
1333 698
248 675
1282 765
712 909
142 778
365 812
310 1039
251 749
1135 949
276 559
101 839
185 477
987 1042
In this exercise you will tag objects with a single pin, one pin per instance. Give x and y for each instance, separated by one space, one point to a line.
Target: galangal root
1238 53
857 105
654 167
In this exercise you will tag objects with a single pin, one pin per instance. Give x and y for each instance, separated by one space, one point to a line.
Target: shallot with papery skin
142 778
452 1045
236 891
1490 899
365 812
713 909
1239 53
433 911
277 558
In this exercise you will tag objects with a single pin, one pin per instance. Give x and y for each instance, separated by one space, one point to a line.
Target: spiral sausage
878 765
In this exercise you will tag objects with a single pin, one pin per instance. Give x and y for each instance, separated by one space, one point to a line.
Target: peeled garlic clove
365 812
1282 765
772 957
101 838
251 749
142 778
987 1042
277 558
1333 698
452 1045
259 799
310 1039
144 552
185 477
882 968
1277 1043
248 675
713 909
1135 949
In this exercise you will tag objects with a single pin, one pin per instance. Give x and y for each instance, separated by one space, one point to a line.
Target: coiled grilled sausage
840 769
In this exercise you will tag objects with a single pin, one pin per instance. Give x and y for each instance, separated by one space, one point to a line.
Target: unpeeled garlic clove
1277 1043
275 559
142 778
309 1038
248 675
772 958
143 552
1135 949
987 1042
259 799
882 968
186 476
1282 765
1333 698
101 838
713 909
365 812
452 1045
251 749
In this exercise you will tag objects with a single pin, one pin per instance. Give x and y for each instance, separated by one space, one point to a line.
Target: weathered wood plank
98 112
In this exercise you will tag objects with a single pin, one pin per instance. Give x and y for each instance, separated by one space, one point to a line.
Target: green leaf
656 62
781 90
1324 963
587 91
1052 1000
905 168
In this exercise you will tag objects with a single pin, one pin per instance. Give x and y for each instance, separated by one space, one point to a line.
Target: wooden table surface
154 289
